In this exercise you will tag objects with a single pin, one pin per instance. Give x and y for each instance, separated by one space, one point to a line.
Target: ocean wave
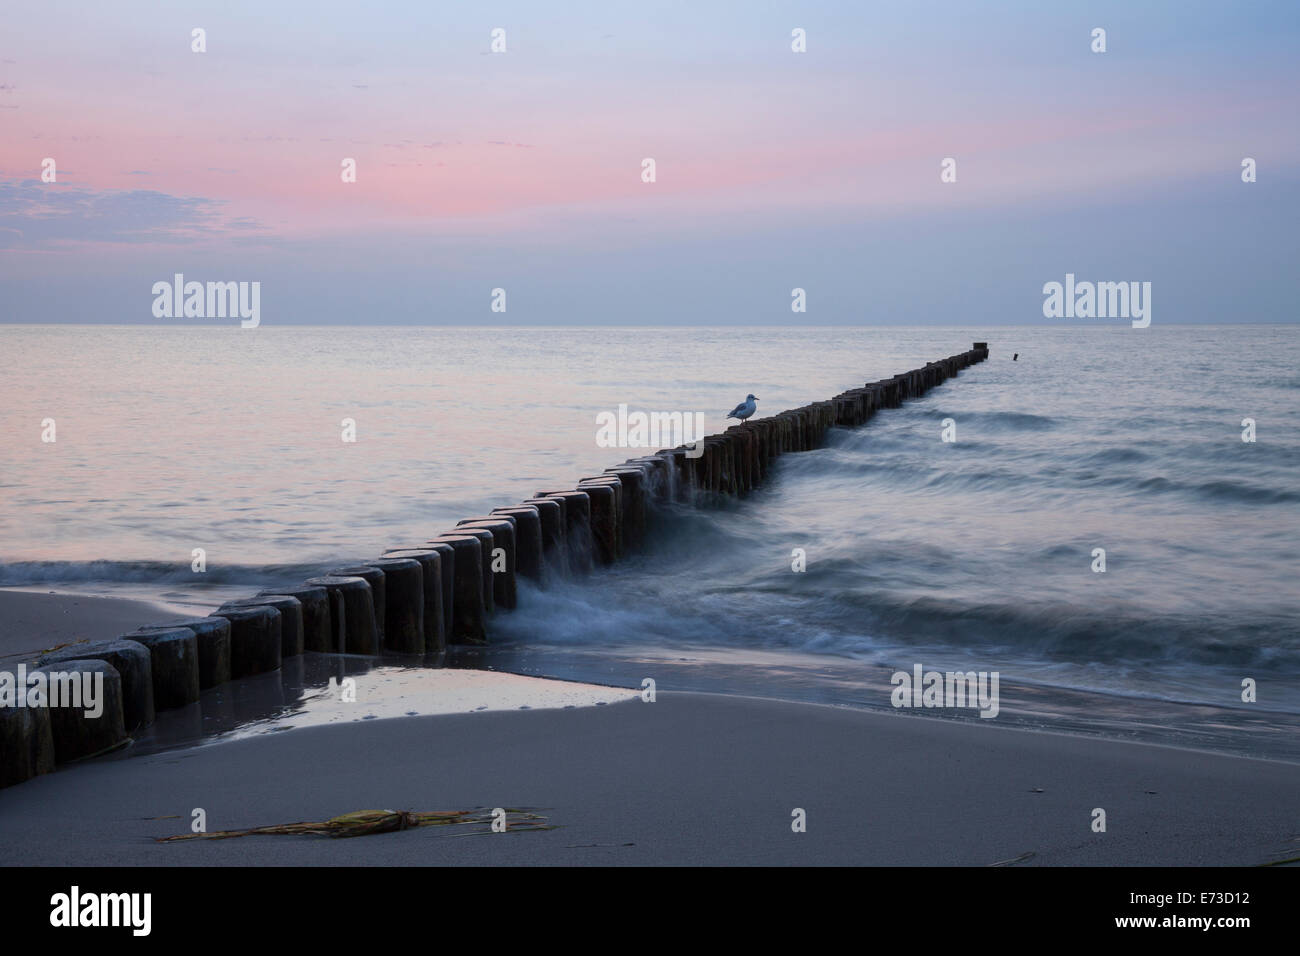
1048 470
1001 421
1219 490
857 609
1250 494
1115 456
1090 634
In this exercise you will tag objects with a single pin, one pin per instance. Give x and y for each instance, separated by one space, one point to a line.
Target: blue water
975 554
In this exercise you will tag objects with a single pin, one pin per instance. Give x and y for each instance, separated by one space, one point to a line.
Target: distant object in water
744 409
1016 356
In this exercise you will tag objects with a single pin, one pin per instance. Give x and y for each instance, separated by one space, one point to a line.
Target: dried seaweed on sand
366 822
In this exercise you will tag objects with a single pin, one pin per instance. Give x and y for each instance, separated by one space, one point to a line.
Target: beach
34 621
690 779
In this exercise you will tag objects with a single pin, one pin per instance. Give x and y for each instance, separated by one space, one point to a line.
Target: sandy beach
33 621
691 779
688 780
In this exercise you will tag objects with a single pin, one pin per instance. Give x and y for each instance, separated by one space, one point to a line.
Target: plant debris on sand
366 822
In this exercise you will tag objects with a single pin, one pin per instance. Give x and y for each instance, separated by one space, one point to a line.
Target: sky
774 170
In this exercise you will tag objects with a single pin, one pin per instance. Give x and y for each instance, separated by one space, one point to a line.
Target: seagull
744 409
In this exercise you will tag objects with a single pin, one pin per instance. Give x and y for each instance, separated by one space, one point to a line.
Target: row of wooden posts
419 599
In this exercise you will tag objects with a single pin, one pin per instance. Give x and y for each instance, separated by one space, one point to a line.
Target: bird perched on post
744 409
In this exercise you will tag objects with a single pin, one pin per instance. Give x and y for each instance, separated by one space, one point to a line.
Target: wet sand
33 621
689 779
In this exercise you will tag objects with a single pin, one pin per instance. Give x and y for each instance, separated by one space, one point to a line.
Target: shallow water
973 555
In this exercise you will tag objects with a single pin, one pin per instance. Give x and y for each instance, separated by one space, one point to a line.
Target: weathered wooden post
378 597
577 528
132 662
76 734
292 627
174 661
318 629
551 513
603 501
502 528
352 610
529 551
254 638
26 743
633 479
212 635
468 608
487 542
403 604
434 615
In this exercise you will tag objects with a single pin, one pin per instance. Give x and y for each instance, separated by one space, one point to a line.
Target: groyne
420 597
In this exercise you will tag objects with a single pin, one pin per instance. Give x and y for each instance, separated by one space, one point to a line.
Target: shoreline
33 619
291 697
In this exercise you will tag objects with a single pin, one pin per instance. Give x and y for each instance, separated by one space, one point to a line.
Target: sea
1098 534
